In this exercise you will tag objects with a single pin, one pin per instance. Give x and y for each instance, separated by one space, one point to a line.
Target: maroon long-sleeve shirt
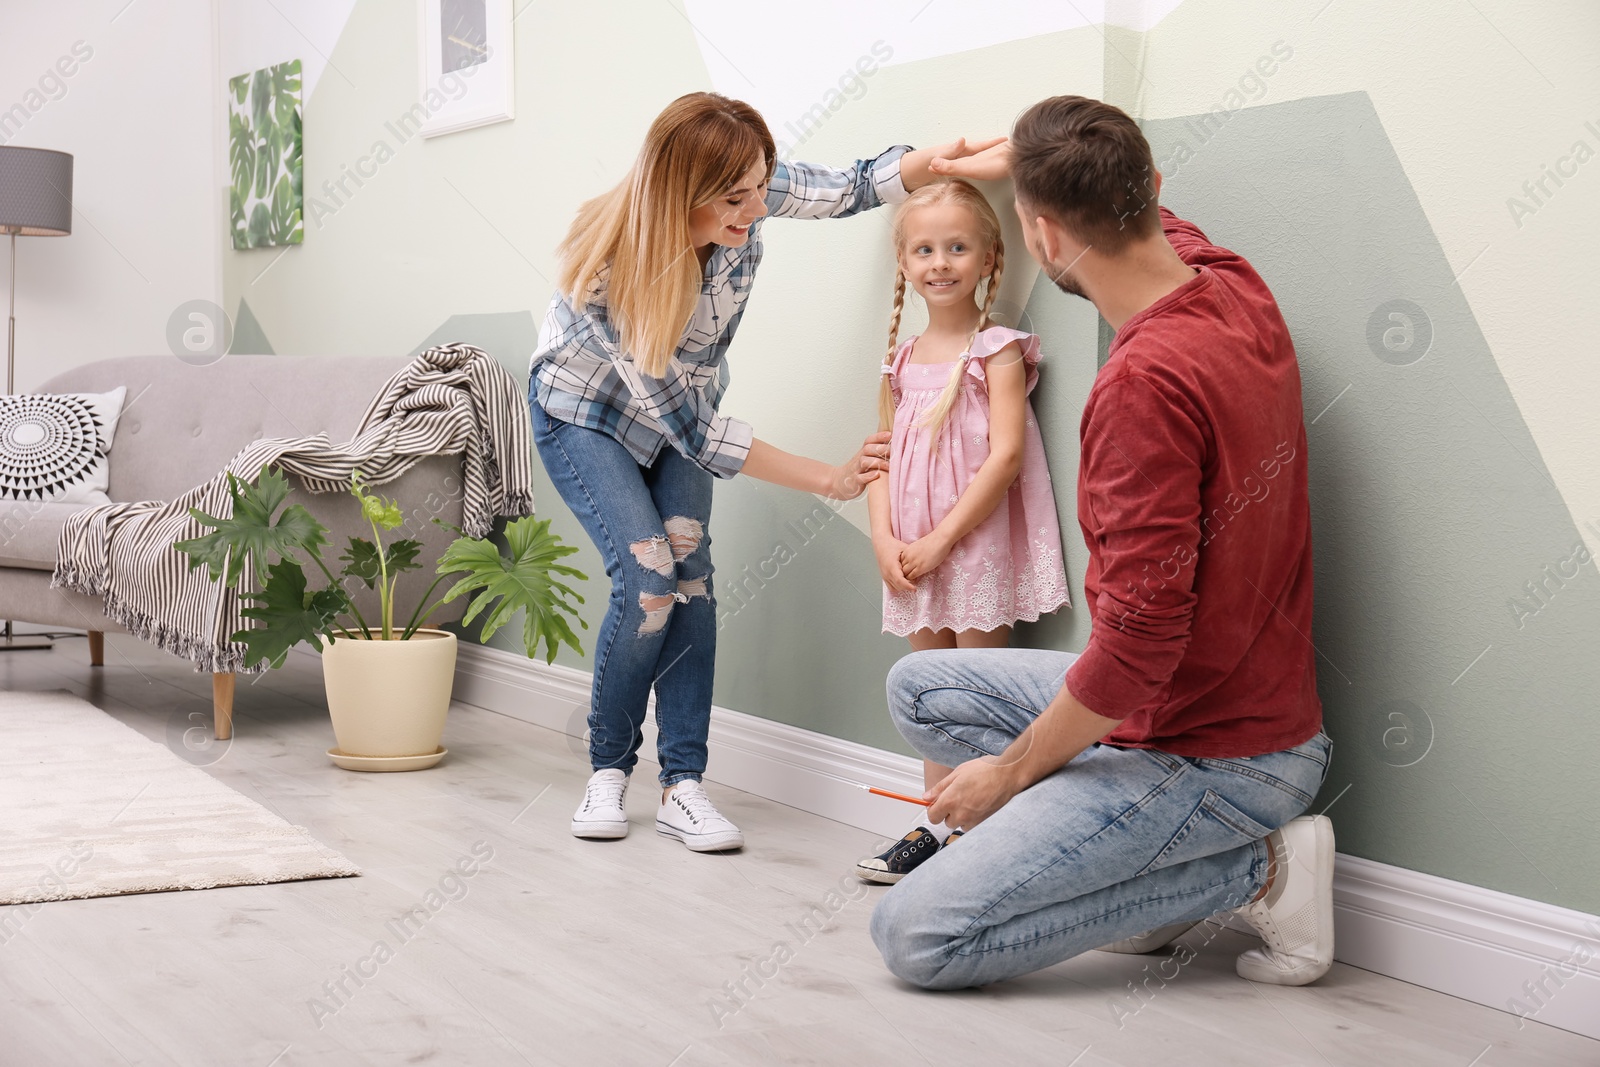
1192 498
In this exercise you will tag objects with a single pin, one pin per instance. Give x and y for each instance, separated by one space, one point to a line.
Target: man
1155 779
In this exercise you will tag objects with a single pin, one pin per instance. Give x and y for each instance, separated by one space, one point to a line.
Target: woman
623 395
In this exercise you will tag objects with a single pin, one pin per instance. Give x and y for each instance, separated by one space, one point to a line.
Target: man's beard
1067 282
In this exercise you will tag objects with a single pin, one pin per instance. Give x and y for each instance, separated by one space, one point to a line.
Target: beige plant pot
388 699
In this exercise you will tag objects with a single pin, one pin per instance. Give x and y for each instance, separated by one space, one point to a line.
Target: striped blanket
451 400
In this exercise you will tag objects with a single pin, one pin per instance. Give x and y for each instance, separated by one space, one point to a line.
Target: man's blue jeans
1115 843
652 527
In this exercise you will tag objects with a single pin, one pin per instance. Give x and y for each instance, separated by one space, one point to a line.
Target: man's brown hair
1087 165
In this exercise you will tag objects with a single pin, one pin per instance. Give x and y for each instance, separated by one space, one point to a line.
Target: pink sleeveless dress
1009 567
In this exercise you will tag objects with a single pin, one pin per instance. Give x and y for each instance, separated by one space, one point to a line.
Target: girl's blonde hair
943 191
697 149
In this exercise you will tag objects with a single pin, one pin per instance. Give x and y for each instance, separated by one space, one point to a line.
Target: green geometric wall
1462 711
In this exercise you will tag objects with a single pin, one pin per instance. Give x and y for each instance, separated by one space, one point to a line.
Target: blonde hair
696 150
943 191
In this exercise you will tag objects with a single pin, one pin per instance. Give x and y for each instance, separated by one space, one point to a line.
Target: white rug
90 807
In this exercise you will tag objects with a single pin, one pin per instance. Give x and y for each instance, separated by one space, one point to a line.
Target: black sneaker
902 857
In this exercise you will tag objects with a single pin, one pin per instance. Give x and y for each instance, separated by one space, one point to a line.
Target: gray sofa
180 425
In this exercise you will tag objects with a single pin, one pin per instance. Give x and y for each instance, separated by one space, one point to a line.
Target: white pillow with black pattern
54 446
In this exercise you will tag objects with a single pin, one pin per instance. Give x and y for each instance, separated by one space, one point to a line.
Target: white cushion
55 446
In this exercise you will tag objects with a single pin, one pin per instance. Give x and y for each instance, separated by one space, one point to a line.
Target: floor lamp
35 201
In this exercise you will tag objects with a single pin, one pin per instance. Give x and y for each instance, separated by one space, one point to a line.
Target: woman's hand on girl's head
888 550
851 477
979 160
923 556
923 165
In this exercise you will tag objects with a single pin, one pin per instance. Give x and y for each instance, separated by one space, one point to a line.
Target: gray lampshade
35 191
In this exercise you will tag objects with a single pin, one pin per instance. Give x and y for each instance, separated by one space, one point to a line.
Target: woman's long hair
944 191
697 149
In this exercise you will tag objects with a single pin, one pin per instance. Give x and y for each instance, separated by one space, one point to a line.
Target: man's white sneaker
602 813
689 815
1295 918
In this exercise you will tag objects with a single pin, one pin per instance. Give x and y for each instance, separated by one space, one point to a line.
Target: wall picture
465 64
264 144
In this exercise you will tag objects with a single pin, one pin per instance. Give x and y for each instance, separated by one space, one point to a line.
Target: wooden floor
559 951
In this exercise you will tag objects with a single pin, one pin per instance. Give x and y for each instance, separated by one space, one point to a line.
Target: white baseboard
1519 955
1491 948
800 768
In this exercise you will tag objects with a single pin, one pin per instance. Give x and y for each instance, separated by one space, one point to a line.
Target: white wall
263 33
139 117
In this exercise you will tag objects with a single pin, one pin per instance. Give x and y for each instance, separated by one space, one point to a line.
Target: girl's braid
885 392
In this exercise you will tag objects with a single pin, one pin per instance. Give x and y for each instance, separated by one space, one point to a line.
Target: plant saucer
387 763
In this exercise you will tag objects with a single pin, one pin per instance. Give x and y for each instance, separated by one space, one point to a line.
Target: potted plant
388 685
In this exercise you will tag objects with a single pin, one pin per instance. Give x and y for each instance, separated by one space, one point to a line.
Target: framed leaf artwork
265 201
465 65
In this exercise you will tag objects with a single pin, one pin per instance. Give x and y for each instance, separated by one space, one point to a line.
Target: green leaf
260 225
266 166
241 155
251 532
261 99
385 513
285 94
374 508
284 214
361 561
525 581
241 236
240 87
288 614
402 556
275 146
286 77
293 140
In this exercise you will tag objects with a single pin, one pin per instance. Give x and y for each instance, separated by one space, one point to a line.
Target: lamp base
12 642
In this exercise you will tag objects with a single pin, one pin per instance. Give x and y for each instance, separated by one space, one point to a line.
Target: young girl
965 526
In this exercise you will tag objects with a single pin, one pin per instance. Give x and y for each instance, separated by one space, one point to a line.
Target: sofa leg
222 705
97 648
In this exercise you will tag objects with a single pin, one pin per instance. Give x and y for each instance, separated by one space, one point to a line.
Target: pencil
894 796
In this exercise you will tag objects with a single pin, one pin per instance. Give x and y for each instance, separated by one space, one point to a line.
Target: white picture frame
467 76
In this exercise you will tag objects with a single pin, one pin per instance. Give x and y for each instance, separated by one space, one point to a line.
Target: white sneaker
602 813
689 815
1295 918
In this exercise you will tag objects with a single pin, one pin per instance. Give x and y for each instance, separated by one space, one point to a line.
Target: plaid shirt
580 374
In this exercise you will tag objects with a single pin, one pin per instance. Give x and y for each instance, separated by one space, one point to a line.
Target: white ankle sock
938 830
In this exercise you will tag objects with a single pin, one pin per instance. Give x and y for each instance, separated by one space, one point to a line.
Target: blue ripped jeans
1117 842
652 527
